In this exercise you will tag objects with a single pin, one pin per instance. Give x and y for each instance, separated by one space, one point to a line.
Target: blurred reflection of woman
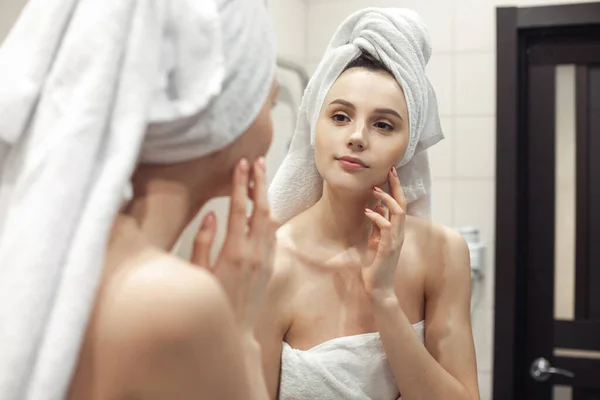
367 301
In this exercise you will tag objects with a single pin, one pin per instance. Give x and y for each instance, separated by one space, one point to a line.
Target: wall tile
440 71
492 3
289 22
442 201
284 122
482 322
9 14
485 385
220 206
474 205
441 155
487 285
525 3
475 26
475 146
324 18
475 84
475 21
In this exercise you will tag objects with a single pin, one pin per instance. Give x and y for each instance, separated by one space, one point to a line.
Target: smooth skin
342 268
164 328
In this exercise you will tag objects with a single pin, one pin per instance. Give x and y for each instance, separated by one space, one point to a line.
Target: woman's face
362 130
252 144
256 140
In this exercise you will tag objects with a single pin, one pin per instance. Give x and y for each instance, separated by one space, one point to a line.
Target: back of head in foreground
93 89
397 40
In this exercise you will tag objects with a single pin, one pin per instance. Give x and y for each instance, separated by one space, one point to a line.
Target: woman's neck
162 213
340 217
163 206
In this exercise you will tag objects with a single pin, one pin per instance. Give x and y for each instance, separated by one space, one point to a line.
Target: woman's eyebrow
343 102
377 110
388 111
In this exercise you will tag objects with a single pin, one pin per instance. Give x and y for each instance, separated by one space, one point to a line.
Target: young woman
367 302
186 116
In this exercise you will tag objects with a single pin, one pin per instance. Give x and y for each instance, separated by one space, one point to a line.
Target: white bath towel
88 88
349 367
399 39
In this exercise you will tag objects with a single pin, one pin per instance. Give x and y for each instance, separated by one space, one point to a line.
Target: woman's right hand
245 262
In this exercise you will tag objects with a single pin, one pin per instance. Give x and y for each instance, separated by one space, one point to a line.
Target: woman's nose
356 141
356 145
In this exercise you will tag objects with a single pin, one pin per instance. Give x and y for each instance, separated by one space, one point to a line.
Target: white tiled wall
442 154
441 70
9 10
289 21
475 141
475 82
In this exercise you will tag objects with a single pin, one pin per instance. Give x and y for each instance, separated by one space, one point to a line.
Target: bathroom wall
9 10
462 69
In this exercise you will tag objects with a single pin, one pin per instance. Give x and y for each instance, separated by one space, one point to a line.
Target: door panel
548 196
560 392
593 241
541 212
565 173
563 220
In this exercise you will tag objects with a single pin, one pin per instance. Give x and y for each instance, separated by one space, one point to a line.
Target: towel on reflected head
399 39
88 89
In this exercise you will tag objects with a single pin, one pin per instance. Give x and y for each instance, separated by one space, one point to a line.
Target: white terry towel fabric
87 89
349 367
399 39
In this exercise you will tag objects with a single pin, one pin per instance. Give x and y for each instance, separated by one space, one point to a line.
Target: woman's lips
349 165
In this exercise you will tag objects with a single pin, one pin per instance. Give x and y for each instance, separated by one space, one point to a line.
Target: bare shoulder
275 317
163 299
158 322
294 251
448 333
284 272
282 279
435 239
443 250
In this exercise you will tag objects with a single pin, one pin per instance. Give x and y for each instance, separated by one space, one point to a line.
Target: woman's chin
349 185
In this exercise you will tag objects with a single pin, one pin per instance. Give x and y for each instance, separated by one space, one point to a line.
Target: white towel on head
399 39
88 88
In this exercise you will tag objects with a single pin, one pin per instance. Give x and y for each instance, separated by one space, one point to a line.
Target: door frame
513 26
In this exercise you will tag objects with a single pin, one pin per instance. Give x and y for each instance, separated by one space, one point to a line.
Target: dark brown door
563 212
547 316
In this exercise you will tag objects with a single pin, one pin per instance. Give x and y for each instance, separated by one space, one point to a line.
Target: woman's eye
384 126
340 118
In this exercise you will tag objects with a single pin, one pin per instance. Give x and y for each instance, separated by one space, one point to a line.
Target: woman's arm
446 367
274 321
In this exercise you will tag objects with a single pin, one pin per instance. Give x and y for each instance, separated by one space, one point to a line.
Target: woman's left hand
386 239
